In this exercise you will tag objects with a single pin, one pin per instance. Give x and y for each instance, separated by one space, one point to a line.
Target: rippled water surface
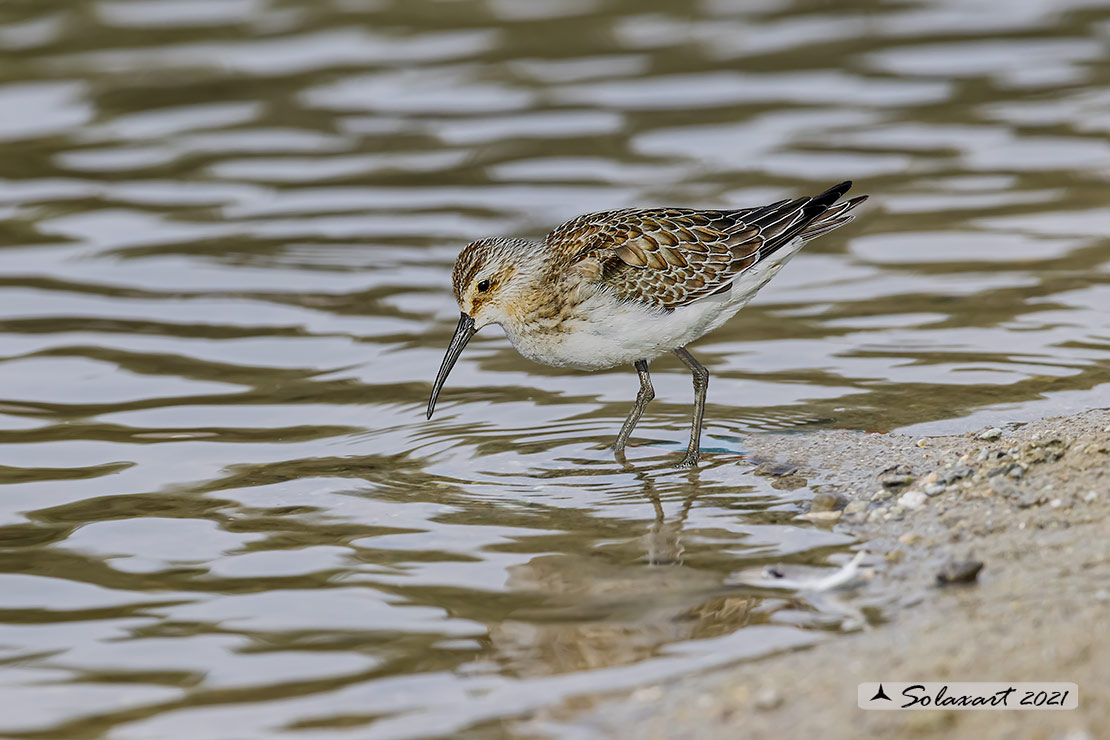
227 231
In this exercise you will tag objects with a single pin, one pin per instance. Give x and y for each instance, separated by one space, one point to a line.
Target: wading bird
627 286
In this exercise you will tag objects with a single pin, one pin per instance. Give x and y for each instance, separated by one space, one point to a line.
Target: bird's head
489 279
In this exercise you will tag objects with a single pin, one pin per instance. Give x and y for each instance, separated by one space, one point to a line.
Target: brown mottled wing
662 257
669 257
665 257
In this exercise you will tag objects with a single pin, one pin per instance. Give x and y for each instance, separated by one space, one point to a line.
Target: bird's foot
689 461
618 454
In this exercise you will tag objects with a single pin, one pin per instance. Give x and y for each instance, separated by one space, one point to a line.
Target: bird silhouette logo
880 694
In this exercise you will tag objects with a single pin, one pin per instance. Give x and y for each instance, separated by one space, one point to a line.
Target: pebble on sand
822 517
934 489
1003 487
897 481
963 571
768 699
825 501
912 500
859 506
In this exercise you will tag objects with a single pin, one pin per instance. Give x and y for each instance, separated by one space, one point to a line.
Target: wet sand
1031 503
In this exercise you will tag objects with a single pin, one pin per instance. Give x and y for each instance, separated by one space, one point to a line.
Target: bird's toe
689 461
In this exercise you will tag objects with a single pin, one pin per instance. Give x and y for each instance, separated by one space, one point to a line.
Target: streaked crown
494 259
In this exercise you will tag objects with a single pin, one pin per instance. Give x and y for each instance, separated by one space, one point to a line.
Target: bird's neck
546 300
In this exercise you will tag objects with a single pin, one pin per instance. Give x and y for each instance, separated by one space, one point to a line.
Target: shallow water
228 230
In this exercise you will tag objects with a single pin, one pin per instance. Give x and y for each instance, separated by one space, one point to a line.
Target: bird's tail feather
780 223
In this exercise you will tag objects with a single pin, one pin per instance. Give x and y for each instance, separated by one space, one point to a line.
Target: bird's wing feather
665 257
669 257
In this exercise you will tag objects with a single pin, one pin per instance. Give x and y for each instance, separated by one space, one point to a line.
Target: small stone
921 442
932 477
894 512
933 489
881 495
856 507
910 538
1003 487
827 502
1016 472
788 483
1055 449
897 481
1056 503
1032 498
958 473
912 500
876 516
1090 496
822 517
965 571
776 469
982 456
1035 454
990 435
767 699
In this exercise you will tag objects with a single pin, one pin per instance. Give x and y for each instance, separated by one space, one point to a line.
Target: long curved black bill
463 332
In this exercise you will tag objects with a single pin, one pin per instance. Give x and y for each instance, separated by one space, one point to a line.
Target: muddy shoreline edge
1031 502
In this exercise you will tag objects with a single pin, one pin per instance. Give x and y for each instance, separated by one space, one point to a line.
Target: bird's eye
483 286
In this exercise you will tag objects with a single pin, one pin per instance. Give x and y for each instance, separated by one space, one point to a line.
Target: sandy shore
1031 503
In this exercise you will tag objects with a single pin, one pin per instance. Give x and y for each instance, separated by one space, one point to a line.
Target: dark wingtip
832 195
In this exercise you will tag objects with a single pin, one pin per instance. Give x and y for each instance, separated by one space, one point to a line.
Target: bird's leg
645 394
701 384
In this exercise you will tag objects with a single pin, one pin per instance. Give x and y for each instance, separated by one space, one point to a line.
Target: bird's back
672 257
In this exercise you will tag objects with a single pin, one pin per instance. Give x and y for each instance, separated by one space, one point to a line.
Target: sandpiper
627 286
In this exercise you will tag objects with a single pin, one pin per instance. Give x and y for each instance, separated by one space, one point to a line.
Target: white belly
612 332
618 333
